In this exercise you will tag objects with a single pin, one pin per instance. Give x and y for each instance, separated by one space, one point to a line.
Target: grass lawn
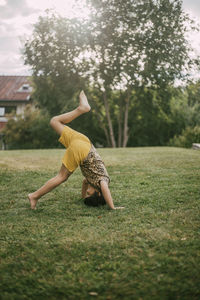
65 250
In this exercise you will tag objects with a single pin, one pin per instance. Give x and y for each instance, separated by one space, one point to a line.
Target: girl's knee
56 125
53 121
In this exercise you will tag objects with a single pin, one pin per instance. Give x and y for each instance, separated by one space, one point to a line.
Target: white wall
20 109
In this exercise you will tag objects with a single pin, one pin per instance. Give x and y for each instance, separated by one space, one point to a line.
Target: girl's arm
107 195
84 188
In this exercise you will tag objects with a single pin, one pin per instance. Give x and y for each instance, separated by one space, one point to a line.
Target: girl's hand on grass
119 207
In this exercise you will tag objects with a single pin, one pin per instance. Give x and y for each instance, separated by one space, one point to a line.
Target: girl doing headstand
79 152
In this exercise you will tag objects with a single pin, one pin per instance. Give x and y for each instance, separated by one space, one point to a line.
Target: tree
133 44
52 52
124 47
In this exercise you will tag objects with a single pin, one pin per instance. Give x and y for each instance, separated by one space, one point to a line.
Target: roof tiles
10 88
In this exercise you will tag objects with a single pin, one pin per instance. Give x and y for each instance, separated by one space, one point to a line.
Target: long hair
95 200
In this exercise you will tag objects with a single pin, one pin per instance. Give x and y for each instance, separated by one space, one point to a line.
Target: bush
187 138
30 131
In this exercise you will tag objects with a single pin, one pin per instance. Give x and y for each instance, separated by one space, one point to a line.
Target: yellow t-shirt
78 147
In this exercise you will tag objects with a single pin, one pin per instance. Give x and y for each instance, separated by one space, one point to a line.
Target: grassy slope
64 250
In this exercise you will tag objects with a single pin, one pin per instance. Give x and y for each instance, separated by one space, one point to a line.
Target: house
15 94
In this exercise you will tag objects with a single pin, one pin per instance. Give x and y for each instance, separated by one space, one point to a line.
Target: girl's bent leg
49 185
58 122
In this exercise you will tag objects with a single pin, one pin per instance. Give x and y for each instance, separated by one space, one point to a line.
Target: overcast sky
18 16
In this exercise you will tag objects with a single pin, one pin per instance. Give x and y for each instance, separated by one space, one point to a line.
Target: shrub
187 138
30 131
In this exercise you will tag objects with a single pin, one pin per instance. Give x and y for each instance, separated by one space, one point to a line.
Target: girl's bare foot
83 105
33 201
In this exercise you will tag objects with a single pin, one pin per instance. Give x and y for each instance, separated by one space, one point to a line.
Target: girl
80 152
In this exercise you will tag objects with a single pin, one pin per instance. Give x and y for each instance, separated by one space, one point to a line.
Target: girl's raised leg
58 122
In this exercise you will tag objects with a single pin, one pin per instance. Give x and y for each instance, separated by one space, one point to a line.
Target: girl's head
91 190
96 199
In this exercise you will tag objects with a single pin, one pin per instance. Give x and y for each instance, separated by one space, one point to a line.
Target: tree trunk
126 135
112 138
120 125
103 127
107 135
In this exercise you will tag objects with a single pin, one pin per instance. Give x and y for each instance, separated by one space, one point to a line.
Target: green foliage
161 114
133 41
184 113
65 250
155 117
150 122
123 45
30 131
185 106
193 96
189 136
52 51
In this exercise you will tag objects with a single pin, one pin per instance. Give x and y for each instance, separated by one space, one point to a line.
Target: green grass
64 250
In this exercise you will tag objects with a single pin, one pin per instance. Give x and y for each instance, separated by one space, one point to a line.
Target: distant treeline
152 121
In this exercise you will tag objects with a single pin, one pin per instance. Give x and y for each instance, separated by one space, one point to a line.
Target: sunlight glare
2 2
65 8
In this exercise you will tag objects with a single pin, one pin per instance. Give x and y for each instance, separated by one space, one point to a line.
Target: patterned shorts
94 170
